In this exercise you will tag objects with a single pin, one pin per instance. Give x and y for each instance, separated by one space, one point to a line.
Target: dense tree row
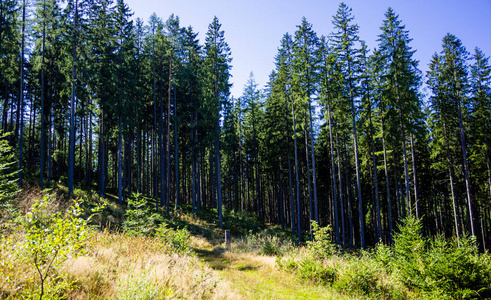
341 134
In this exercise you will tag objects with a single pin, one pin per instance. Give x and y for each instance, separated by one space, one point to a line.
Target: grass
254 276
122 266
116 265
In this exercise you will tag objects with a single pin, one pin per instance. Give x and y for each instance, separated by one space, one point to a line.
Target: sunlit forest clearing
124 159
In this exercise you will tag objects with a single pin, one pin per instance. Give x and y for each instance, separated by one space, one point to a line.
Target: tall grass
114 264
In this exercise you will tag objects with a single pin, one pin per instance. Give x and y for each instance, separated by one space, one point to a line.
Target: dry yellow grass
118 265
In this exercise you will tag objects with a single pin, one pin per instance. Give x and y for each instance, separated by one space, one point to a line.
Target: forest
341 135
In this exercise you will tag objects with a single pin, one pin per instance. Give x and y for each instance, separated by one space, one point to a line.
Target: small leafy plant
312 270
8 186
174 241
140 218
322 247
50 239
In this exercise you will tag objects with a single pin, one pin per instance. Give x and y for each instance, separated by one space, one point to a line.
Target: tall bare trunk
299 226
451 175
466 167
333 171
71 155
387 185
176 151
314 177
415 181
309 186
21 93
43 113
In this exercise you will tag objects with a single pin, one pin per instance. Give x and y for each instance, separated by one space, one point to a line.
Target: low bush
140 217
310 269
287 263
8 172
457 270
263 243
360 275
440 268
174 241
321 247
47 238
409 254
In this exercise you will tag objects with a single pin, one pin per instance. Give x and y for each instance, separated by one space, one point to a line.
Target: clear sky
253 28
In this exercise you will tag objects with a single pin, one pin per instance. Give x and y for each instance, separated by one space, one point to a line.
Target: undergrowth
415 267
263 243
51 249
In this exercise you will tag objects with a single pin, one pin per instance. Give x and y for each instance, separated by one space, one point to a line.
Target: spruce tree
345 42
216 91
399 84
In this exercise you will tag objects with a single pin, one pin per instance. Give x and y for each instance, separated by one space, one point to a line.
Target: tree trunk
357 163
138 156
406 174
387 185
21 93
299 226
71 155
374 161
466 167
313 162
120 158
176 151
167 138
51 143
43 92
348 198
120 133
311 217
450 171
219 185
256 164
193 165
292 205
333 172
415 181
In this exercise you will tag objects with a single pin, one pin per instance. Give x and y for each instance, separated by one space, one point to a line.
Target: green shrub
140 217
270 249
322 246
51 237
240 222
383 255
288 264
361 276
409 254
174 241
310 269
456 269
8 186
440 268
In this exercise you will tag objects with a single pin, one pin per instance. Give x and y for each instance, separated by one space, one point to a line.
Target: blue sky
253 28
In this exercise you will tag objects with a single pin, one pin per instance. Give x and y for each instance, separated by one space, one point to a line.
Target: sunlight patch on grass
255 277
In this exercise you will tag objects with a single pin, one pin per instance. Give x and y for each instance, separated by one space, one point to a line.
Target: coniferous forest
341 134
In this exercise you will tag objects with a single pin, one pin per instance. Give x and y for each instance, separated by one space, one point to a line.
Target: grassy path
255 277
